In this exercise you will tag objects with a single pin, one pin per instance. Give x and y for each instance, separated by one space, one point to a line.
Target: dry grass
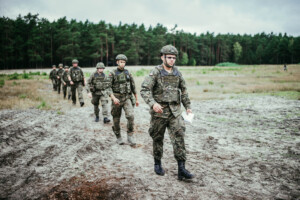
203 83
20 94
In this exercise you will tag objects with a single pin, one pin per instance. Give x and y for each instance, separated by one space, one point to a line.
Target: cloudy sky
195 16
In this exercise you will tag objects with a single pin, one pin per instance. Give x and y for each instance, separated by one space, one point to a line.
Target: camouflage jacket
53 74
122 82
99 84
155 89
60 72
65 78
76 74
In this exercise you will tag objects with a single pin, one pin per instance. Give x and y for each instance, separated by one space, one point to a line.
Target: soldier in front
164 90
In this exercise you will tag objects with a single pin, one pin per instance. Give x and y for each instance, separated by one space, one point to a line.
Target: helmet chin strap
166 64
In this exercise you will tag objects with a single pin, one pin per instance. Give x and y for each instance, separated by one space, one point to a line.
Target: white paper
188 117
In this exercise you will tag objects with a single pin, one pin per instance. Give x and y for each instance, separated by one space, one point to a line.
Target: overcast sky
195 16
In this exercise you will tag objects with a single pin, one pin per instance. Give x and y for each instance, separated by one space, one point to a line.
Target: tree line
33 42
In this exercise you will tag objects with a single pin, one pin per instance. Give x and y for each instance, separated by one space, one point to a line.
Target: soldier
53 77
98 87
59 77
123 88
164 90
284 67
77 81
66 83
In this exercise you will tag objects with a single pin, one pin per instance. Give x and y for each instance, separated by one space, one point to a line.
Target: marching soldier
66 83
77 81
123 88
164 90
53 76
98 87
60 71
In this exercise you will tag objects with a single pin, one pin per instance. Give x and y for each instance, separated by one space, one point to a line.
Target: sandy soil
246 148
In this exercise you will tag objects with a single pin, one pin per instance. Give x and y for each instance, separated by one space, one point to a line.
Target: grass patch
210 82
2 83
227 64
294 95
22 96
43 105
198 83
141 72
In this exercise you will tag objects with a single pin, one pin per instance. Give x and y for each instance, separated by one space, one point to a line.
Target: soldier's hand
116 101
64 83
90 95
71 82
188 111
157 108
137 103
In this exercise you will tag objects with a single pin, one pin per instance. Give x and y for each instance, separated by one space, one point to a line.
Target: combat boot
158 168
106 120
81 104
97 119
69 97
131 140
182 172
120 141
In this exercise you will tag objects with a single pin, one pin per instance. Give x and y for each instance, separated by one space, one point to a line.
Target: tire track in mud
238 149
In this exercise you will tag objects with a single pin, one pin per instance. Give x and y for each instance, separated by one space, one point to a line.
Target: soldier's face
169 59
67 70
121 63
100 70
75 64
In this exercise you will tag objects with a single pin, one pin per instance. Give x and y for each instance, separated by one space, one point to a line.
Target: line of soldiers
164 90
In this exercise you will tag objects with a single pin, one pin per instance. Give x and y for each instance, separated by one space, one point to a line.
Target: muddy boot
131 140
120 141
81 104
64 96
97 119
106 120
74 103
182 172
158 168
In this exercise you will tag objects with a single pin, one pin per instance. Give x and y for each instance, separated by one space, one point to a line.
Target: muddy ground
243 148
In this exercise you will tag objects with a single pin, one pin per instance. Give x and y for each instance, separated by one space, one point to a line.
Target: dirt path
246 148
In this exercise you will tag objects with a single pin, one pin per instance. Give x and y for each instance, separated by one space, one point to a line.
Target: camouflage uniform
77 77
169 90
60 72
66 84
123 88
53 77
100 86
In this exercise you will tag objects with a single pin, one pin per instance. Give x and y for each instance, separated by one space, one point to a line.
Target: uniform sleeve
62 80
147 87
185 100
132 84
89 83
111 77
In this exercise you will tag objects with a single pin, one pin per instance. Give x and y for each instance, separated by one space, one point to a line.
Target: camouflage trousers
176 129
77 86
58 85
104 103
54 84
67 89
116 112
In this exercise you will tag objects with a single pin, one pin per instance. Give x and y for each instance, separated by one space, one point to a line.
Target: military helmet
66 67
53 65
60 65
121 57
169 49
75 61
100 65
